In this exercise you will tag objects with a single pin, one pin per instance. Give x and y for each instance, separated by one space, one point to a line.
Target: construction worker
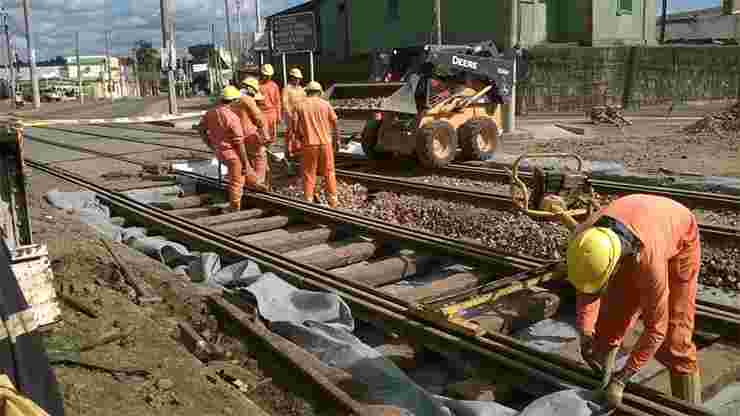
255 127
315 124
293 93
224 134
640 255
271 106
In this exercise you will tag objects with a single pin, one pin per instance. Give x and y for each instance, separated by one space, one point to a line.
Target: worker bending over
293 93
271 106
255 128
640 255
222 131
315 124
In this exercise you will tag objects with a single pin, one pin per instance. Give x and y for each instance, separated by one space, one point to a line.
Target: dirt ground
178 383
647 146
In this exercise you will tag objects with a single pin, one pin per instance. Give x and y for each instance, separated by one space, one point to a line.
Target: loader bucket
361 100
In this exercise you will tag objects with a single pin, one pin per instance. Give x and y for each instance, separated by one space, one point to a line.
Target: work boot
333 201
687 387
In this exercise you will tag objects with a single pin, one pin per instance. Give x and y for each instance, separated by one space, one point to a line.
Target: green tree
148 61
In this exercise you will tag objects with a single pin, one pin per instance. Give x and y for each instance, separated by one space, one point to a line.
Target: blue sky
56 21
683 5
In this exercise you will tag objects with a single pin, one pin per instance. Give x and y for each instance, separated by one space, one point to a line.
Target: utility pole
663 22
438 20
164 8
510 108
231 45
31 56
11 73
109 63
79 67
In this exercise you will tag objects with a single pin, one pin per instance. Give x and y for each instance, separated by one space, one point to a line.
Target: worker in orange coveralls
224 134
640 255
293 93
315 124
255 128
271 106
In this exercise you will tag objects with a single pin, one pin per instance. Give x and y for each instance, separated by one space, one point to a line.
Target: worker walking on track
255 128
315 124
271 106
640 255
223 132
293 94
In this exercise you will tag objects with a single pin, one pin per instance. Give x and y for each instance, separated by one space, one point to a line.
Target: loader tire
478 136
370 140
436 144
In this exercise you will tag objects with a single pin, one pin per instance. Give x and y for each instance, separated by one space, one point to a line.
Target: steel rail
511 353
476 172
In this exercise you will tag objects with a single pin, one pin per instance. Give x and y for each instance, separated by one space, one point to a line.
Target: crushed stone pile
723 123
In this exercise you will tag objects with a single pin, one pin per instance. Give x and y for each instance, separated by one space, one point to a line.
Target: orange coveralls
271 107
225 134
315 123
255 132
660 285
292 96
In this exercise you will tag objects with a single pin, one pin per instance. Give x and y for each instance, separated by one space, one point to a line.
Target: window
624 7
392 10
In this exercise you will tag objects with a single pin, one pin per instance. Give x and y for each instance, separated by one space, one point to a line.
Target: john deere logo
464 63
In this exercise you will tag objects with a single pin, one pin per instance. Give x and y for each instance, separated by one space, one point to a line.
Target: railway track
348 168
246 234
518 261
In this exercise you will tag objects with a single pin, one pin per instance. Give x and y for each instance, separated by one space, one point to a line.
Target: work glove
616 386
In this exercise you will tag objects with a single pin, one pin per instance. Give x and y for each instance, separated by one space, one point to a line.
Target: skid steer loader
449 98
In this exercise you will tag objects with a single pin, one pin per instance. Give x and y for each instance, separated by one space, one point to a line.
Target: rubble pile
372 103
722 123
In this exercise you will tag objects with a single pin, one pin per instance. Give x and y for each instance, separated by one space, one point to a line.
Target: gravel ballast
506 230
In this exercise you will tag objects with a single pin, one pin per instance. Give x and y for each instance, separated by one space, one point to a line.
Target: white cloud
54 22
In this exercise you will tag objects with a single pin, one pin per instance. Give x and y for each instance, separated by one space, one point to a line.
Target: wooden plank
144 293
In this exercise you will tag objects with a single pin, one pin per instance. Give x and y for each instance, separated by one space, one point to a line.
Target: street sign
294 33
200 67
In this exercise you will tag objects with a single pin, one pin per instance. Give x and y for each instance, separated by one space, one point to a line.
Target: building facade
355 27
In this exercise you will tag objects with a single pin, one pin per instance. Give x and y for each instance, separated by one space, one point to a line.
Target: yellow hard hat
231 93
593 256
268 70
254 84
296 73
314 86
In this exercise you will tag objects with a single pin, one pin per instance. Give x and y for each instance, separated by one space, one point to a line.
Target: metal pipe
231 45
664 15
438 20
509 109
